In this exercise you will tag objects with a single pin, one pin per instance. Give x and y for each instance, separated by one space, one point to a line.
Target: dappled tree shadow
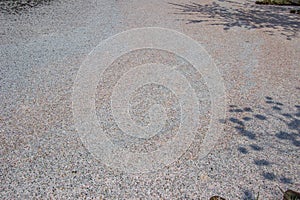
271 113
17 6
247 15
248 195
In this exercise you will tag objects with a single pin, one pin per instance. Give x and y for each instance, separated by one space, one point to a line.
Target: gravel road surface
255 49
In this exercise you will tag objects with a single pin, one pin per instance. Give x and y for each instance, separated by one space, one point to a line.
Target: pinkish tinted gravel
256 49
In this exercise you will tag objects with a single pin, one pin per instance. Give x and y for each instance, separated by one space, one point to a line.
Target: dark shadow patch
248 195
236 110
247 119
276 108
286 180
294 125
243 150
269 176
296 143
236 121
245 132
18 7
289 136
262 162
287 115
284 136
269 102
255 147
260 117
247 109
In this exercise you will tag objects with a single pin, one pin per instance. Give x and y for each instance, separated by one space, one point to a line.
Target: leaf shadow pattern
18 7
248 195
247 15
278 129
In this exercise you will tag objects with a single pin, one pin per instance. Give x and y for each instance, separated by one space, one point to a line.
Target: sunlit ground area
211 109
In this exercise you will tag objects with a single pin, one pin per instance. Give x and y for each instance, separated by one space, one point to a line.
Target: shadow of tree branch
248 15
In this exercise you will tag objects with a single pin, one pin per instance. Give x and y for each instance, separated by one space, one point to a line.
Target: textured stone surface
255 48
